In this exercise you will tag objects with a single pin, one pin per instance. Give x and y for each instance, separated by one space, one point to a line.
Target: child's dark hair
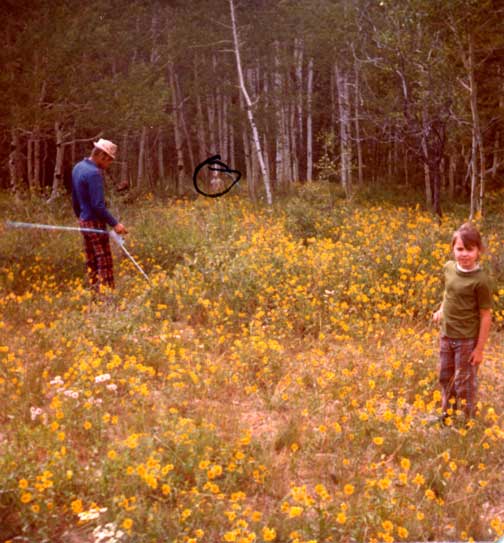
469 235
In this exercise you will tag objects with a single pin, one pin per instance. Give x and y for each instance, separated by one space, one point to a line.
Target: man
89 205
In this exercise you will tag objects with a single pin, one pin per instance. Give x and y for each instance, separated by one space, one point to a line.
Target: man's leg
91 263
98 256
105 265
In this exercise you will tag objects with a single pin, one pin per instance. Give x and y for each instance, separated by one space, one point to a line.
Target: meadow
278 382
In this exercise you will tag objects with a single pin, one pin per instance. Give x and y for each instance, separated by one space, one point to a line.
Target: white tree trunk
14 165
344 122
180 177
124 181
299 101
279 128
141 159
348 132
266 156
160 153
309 127
342 128
390 159
395 150
200 121
429 196
294 144
474 175
212 128
427 180
58 165
36 180
248 104
495 158
358 142
288 138
248 155
225 130
232 158
287 163
29 163
477 154
36 160
268 127
219 111
255 170
73 146
452 168
334 100
181 117
405 166
498 134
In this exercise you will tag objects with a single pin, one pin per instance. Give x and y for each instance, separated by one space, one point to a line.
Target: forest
359 93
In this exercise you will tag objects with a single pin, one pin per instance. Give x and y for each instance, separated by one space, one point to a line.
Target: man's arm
97 199
75 203
75 196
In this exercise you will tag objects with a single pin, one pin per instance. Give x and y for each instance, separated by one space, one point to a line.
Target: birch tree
248 106
345 132
476 42
180 179
309 122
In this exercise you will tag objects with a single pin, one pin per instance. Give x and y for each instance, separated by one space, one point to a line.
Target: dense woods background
353 92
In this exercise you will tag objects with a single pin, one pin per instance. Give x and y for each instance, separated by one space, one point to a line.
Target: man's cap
107 147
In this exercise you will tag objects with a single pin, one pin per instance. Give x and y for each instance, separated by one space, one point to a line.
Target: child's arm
484 331
438 314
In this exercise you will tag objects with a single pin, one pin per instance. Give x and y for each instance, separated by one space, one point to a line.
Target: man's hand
120 229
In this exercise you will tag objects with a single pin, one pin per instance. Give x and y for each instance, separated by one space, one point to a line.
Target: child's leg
447 373
466 376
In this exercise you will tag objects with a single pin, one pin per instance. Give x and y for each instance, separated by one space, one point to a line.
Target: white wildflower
35 412
91 514
57 381
107 534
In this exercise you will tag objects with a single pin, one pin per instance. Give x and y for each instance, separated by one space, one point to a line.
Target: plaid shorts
457 376
98 255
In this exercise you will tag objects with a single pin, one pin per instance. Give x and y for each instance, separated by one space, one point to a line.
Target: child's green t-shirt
465 294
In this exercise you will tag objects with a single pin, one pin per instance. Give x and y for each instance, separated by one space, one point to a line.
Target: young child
216 183
465 317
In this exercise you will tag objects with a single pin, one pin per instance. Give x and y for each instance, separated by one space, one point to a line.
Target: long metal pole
15 224
120 241
116 237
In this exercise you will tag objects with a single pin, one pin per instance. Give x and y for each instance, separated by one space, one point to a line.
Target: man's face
103 160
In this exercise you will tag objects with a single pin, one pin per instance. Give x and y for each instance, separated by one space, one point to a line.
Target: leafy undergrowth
277 383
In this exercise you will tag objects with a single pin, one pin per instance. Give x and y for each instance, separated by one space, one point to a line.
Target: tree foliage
105 68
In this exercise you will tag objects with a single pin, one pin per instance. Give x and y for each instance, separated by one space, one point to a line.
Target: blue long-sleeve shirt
88 197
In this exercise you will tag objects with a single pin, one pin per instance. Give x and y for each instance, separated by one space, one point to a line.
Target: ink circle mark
223 168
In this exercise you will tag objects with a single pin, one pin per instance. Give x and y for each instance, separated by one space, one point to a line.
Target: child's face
466 258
